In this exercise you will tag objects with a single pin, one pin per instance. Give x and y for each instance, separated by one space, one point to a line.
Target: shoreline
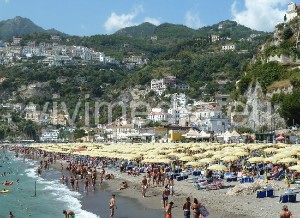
217 202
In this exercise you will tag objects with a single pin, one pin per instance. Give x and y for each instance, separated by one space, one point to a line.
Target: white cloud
192 20
152 20
115 21
260 14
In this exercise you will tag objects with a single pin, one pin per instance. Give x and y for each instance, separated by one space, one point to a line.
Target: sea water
52 197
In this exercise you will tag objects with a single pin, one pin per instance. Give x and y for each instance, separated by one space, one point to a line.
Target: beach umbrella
187 158
200 155
218 156
229 158
256 160
217 167
193 164
288 160
207 160
272 159
295 167
241 153
196 149
270 150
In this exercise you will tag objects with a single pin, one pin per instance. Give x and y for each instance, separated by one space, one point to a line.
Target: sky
90 17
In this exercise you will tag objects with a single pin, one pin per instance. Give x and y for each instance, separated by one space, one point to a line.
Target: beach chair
201 185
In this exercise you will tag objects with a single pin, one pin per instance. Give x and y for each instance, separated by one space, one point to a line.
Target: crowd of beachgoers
163 166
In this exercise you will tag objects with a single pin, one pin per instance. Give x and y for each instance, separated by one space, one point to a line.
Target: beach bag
203 211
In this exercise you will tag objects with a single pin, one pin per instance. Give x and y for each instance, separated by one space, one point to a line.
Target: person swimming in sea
69 213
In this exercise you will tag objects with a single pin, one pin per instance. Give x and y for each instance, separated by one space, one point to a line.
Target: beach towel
203 211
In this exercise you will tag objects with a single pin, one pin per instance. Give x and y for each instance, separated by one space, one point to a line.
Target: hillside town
57 54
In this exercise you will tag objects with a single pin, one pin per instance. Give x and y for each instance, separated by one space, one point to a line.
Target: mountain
142 30
225 28
178 31
228 28
21 26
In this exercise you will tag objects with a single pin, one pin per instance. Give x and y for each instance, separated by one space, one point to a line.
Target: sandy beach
218 202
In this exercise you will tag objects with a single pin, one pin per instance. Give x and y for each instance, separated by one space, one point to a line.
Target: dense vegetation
186 53
20 26
277 75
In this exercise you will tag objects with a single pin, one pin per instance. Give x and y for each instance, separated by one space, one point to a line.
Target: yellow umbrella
272 159
229 158
241 153
295 167
256 160
288 160
217 167
193 163
270 150
196 149
187 158
200 155
207 160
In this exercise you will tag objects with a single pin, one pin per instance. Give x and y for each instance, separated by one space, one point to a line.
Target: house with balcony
158 114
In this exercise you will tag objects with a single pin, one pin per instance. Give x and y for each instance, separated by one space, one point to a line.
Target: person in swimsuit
165 196
76 184
169 210
112 206
72 181
144 186
196 208
69 214
187 208
11 215
285 213
86 184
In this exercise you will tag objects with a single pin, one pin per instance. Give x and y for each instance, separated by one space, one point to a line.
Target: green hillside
19 26
140 31
276 67
181 51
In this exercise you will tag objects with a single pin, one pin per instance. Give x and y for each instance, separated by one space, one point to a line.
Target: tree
287 33
290 108
79 133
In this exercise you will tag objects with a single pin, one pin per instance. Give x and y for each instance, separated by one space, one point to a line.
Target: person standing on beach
112 206
187 208
76 184
144 186
72 181
169 210
196 208
86 184
165 196
285 213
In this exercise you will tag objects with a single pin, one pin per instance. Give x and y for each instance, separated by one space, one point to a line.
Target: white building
179 100
158 114
50 136
231 47
292 11
98 56
158 86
